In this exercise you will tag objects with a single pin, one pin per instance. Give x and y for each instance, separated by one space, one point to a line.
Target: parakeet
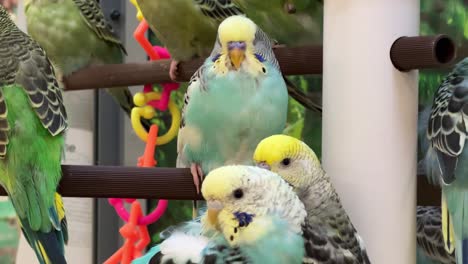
430 243
194 35
75 34
256 216
293 160
447 159
236 98
32 124
430 246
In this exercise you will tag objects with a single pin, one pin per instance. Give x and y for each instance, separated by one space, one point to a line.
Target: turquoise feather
233 115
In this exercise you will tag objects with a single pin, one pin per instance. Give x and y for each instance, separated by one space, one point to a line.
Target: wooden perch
293 61
406 53
126 182
159 183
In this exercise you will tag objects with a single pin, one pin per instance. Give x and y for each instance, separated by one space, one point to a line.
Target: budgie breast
33 154
231 117
63 33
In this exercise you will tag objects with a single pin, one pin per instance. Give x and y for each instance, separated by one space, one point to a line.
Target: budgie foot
173 70
197 175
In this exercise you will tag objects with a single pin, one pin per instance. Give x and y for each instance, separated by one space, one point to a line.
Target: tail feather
47 246
447 226
464 251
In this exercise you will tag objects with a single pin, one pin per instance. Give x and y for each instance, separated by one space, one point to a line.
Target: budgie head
242 46
245 202
291 158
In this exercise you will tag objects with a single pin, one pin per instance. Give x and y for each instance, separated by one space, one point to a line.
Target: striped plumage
430 243
447 158
32 123
297 163
75 34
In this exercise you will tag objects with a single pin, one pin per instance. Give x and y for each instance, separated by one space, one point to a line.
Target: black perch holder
411 53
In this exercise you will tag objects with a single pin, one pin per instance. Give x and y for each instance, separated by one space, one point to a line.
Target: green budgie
75 34
253 215
32 124
194 35
293 160
235 99
447 159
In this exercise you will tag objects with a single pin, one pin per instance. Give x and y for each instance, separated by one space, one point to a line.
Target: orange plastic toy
136 238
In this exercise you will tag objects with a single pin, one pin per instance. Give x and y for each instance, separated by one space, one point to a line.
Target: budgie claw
173 70
197 175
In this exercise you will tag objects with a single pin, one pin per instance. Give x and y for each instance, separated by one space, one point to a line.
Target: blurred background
100 134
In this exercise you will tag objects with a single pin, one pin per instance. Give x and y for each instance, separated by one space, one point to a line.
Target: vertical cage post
370 120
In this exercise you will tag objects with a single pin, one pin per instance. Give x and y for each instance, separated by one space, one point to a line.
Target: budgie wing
218 9
429 234
197 84
94 18
446 129
28 66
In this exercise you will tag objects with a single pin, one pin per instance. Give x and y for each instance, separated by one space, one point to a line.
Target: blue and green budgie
194 35
234 100
75 34
447 159
32 124
253 216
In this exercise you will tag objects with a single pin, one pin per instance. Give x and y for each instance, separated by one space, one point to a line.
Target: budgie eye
286 161
238 193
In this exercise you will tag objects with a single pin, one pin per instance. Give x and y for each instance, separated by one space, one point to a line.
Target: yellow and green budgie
32 124
253 217
75 34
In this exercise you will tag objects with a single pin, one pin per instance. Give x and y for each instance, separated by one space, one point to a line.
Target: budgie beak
214 207
263 165
236 53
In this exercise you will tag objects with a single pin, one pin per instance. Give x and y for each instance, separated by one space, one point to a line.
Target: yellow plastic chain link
145 111
139 15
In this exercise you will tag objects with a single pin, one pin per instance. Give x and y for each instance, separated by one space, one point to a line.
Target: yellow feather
218 183
275 148
59 206
447 227
237 28
43 252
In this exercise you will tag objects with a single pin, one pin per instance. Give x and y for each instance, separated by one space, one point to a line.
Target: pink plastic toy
162 103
